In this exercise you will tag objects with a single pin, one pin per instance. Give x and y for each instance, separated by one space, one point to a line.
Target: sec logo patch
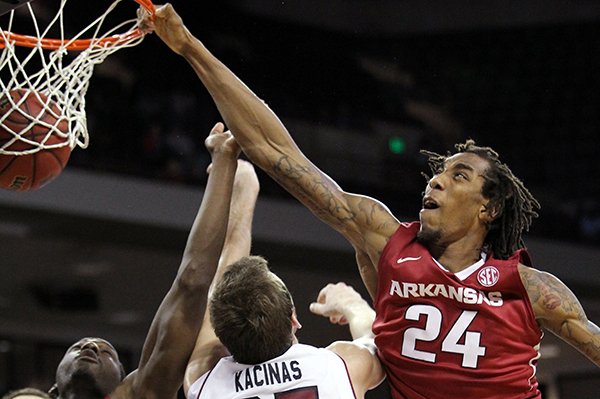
488 276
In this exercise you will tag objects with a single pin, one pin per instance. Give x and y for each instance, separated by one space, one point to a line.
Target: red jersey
443 335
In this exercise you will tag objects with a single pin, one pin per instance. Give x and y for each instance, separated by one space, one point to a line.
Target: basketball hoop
36 63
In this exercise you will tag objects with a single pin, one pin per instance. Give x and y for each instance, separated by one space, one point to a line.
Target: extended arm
366 223
175 327
343 305
238 241
558 310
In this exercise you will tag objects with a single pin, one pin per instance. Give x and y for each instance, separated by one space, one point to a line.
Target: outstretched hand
220 141
336 301
167 24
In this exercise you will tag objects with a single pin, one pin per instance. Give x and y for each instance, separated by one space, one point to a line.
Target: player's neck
456 258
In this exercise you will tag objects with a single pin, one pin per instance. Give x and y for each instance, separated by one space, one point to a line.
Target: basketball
37 119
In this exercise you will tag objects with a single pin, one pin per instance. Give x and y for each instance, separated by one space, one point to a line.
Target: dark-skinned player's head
509 205
90 368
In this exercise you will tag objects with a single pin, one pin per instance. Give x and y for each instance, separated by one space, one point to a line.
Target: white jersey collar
466 272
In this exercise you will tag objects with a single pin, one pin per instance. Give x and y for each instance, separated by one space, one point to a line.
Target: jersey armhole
201 386
402 229
347 373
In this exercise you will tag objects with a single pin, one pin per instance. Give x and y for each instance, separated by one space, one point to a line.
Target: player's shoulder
532 275
539 283
538 280
347 349
125 390
305 349
360 363
314 354
368 217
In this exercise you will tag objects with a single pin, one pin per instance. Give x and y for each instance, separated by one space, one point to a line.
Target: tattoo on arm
313 189
559 310
324 197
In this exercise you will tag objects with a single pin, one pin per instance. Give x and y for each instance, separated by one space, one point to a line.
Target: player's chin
427 234
426 218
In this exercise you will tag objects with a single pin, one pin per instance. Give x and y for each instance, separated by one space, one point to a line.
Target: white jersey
302 372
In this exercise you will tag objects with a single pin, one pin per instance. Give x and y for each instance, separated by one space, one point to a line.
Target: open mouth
429 204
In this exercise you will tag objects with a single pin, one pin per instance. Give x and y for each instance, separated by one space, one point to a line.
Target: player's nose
436 182
91 345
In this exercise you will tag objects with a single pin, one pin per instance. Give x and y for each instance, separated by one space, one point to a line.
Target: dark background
362 86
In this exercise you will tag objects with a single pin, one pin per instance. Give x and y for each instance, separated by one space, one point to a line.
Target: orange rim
79 44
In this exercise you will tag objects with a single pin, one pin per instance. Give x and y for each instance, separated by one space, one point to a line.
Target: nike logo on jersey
407 259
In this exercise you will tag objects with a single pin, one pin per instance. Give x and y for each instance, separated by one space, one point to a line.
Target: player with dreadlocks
505 191
460 310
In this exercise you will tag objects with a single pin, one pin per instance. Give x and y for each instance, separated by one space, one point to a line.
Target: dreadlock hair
515 205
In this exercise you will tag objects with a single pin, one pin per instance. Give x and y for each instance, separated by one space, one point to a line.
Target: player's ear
295 323
489 212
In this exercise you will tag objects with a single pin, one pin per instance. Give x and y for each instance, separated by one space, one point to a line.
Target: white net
44 76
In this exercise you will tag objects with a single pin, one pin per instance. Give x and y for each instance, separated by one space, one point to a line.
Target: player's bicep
553 302
558 310
362 363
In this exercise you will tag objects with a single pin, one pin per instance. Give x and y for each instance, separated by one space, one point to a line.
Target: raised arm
558 310
238 241
343 305
365 222
175 327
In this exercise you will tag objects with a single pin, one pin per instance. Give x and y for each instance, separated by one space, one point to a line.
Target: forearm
267 143
208 349
208 231
237 244
583 335
558 310
343 305
366 223
360 320
256 128
179 317
238 240
197 268
587 340
247 117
